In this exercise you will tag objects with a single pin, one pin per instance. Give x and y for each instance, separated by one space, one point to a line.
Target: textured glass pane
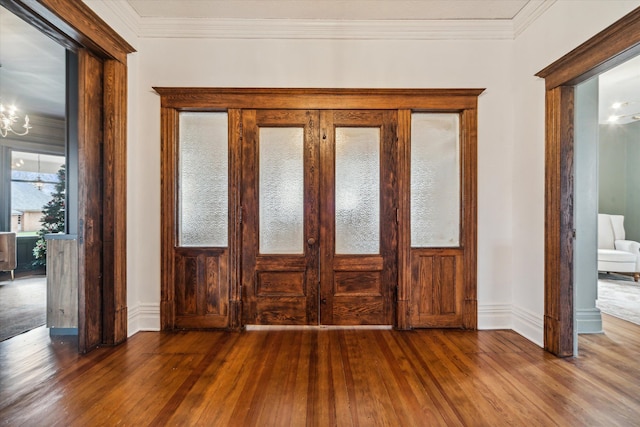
203 179
435 180
281 189
357 190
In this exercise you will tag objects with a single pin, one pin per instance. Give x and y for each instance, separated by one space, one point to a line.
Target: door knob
311 241
323 301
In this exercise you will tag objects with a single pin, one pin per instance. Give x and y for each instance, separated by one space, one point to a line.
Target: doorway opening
611 47
607 208
33 178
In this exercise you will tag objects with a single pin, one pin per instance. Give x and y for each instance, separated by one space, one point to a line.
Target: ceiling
32 68
32 65
620 85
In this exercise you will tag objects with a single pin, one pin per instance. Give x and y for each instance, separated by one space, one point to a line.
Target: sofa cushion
611 255
617 223
2 255
605 232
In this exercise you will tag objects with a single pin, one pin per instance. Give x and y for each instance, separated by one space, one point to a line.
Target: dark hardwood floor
322 378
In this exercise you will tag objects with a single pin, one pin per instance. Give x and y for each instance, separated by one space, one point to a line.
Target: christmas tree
53 218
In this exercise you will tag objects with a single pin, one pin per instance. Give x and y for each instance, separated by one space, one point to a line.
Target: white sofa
615 254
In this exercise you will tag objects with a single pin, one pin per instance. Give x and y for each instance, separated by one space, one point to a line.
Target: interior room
376 283
618 184
33 153
605 267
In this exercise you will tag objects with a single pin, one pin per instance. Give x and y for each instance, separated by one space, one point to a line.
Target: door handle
311 241
323 301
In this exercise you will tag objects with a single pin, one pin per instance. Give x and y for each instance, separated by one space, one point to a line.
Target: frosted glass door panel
357 190
281 187
203 180
435 180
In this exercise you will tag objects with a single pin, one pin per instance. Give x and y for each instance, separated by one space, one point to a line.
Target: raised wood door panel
357 288
280 288
437 278
202 288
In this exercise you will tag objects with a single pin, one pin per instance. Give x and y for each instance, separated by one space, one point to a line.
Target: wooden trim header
610 47
193 98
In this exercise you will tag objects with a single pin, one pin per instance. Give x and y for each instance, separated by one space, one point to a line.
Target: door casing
403 101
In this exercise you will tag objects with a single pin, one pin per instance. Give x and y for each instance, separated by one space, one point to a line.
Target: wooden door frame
102 130
233 100
609 48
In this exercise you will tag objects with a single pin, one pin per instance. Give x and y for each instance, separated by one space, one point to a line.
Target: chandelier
39 183
8 118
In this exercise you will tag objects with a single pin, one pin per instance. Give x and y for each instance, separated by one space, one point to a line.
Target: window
34 178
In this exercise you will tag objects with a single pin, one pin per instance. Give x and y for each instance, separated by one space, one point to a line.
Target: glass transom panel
203 180
281 188
435 180
357 190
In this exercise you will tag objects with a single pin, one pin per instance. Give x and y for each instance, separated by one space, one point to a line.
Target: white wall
327 63
510 133
619 189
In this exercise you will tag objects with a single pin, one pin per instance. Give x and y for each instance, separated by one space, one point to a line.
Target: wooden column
558 277
115 203
469 216
235 214
403 295
90 188
168 182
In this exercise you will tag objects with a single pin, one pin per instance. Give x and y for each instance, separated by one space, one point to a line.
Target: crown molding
196 28
324 29
529 13
122 11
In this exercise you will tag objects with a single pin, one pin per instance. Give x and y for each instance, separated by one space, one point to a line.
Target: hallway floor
322 377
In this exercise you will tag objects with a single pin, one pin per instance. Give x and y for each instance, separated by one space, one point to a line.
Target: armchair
8 259
615 254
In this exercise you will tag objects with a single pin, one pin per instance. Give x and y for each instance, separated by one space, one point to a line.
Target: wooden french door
319 231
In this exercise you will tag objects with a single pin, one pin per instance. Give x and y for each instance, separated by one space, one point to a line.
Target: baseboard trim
589 321
528 324
144 317
494 316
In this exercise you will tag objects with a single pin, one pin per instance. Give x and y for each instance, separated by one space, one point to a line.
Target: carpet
23 305
619 296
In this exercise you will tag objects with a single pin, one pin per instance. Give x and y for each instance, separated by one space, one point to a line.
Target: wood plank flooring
322 378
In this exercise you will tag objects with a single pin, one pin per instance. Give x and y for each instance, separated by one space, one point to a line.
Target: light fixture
8 118
38 182
620 113
630 117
